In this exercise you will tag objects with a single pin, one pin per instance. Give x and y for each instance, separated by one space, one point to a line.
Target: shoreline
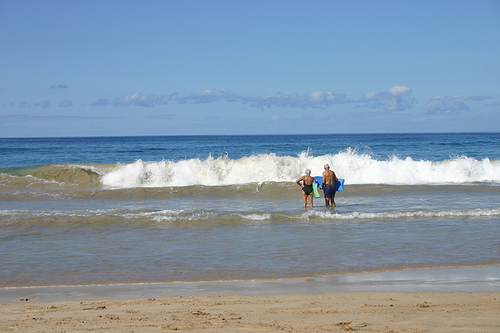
453 279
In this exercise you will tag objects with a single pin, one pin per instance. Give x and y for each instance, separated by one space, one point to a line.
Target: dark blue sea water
196 208
18 152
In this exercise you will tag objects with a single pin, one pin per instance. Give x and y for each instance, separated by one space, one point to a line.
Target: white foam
354 167
404 214
256 217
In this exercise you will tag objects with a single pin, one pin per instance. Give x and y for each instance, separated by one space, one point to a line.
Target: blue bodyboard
339 185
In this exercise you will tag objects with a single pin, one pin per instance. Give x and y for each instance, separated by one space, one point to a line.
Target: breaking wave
356 168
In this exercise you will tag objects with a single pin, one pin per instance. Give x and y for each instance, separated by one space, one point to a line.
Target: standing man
329 179
307 189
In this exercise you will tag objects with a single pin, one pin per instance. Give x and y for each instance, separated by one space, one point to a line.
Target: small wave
200 216
82 175
111 216
204 217
394 215
28 182
256 217
181 215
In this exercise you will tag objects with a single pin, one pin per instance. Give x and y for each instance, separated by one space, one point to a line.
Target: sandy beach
464 299
328 312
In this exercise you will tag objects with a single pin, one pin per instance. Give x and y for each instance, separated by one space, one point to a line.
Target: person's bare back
307 189
329 177
328 185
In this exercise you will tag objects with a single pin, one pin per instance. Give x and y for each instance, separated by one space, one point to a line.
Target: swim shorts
329 191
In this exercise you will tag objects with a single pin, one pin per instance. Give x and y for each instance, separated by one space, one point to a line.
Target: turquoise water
206 208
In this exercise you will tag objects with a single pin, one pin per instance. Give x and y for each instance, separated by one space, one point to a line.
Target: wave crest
355 167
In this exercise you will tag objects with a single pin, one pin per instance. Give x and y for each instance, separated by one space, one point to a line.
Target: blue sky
107 68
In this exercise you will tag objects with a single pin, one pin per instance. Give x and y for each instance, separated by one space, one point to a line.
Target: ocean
123 210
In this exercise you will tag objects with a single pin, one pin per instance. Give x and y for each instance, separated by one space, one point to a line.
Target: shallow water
87 211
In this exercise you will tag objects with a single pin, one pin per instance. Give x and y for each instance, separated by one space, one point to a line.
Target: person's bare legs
327 202
311 200
304 200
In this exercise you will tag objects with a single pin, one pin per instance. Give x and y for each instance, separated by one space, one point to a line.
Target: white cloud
327 97
442 104
396 91
316 99
24 105
100 102
396 98
399 95
162 116
43 104
61 86
493 104
66 103
147 100
284 117
210 96
135 99
29 117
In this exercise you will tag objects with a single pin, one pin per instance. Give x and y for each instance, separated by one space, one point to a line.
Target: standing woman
307 189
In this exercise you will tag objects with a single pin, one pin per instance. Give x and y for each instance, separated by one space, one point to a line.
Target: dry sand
330 312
